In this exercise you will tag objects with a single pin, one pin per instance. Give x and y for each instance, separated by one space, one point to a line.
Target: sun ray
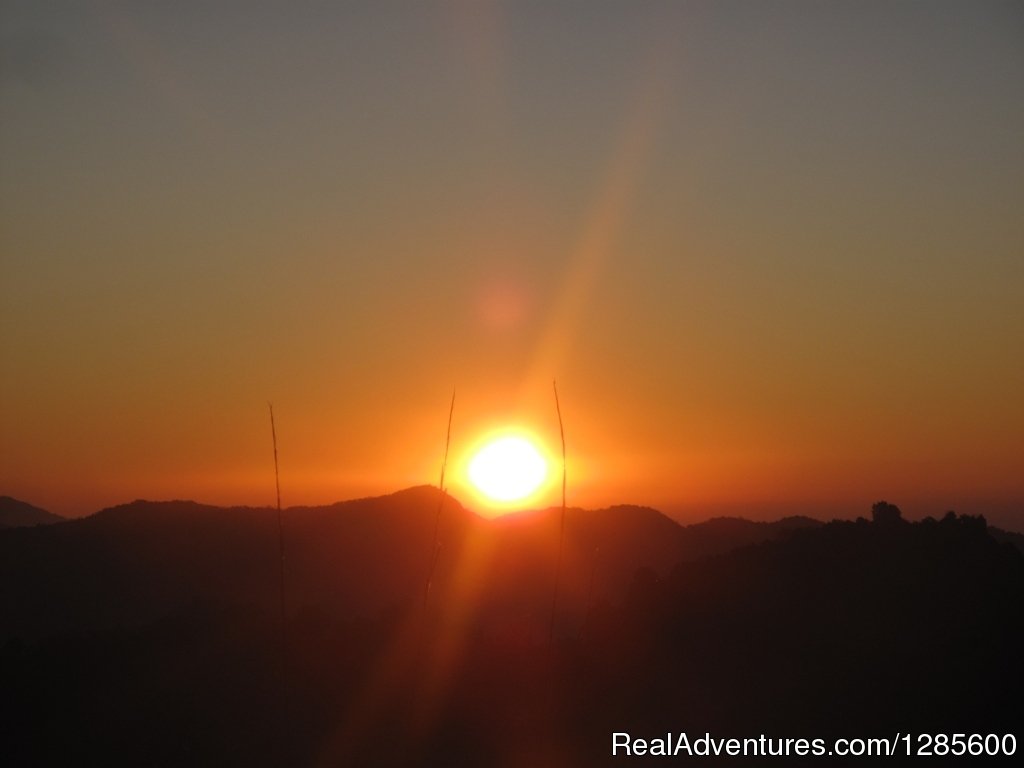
609 209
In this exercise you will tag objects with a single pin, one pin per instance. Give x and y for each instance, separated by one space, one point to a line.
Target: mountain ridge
426 490
168 613
15 513
134 562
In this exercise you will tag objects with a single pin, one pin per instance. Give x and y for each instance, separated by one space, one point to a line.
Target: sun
507 469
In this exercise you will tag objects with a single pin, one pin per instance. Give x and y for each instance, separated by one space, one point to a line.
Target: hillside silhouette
914 626
16 514
147 634
134 563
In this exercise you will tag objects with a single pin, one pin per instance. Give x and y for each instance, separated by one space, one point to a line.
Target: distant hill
149 632
723 534
132 564
1016 539
136 562
16 514
843 625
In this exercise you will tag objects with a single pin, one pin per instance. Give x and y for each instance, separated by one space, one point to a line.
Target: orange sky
774 257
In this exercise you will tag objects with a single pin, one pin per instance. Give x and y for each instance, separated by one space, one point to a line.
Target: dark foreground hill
130 565
866 629
15 514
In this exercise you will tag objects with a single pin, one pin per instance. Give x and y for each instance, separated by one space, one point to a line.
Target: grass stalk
440 506
280 543
561 527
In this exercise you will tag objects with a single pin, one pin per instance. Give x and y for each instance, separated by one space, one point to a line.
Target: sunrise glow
501 383
736 247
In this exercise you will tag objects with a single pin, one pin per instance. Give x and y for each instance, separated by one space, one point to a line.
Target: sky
772 252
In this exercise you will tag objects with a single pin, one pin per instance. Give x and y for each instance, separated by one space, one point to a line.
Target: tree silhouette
884 513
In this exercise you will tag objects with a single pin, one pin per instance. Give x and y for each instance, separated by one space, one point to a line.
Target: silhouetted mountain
884 624
15 514
136 562
1016 539
722 534
147 634
131 564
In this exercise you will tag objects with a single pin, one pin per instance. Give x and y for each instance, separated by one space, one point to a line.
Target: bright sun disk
507 469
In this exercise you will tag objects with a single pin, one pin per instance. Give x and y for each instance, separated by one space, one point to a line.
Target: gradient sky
772 252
